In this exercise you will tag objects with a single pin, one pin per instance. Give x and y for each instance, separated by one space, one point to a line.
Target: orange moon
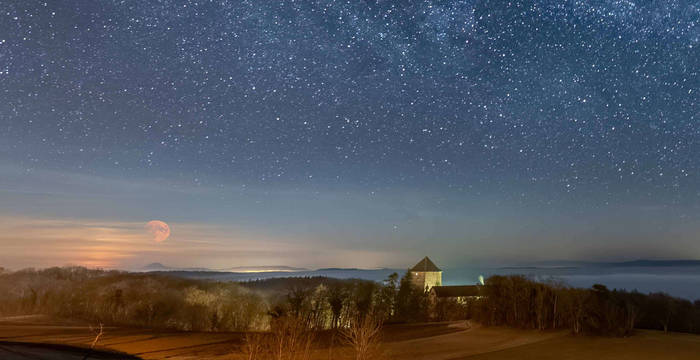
159 230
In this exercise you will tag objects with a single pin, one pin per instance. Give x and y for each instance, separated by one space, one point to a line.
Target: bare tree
364 336
98 331
292 338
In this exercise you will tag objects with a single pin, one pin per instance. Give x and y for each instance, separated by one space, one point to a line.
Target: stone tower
425 274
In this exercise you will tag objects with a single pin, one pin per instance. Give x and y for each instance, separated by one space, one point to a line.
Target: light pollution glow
126 245
99 222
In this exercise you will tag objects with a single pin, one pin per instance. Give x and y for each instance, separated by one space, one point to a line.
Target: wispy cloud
30 241
42 242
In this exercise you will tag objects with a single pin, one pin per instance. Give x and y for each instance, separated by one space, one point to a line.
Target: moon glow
159 230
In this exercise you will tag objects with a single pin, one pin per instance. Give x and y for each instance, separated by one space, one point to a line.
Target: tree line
133 299
163 301
518 301
319 303
512 300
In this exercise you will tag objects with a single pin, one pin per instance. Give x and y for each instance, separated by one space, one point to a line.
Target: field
437 341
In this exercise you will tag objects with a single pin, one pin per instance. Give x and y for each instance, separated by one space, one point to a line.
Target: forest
319 303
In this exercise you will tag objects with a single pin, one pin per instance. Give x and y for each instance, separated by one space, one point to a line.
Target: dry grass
289 339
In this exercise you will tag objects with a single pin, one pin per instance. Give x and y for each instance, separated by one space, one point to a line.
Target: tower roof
425 265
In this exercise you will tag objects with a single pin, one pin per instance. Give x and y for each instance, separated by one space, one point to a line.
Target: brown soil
643 345
436 341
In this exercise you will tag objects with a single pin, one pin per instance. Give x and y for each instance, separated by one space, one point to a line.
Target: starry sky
348 133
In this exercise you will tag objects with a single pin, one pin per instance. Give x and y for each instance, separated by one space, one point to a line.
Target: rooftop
425 265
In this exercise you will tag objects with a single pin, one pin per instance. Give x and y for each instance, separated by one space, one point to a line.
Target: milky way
562 103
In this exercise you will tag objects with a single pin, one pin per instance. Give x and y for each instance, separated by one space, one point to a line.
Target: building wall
423 279
418 279
433 279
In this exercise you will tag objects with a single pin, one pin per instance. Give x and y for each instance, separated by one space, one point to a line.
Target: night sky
348 133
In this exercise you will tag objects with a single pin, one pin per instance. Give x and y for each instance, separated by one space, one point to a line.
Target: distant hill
160 267
280 268
558 265
655 263
238 269
350 269
539 267
155 267
267 272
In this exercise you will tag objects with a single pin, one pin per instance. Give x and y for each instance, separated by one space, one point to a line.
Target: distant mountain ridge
553 265
281 268
155 266
655 263
160 267
248 273
572 264
351 269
